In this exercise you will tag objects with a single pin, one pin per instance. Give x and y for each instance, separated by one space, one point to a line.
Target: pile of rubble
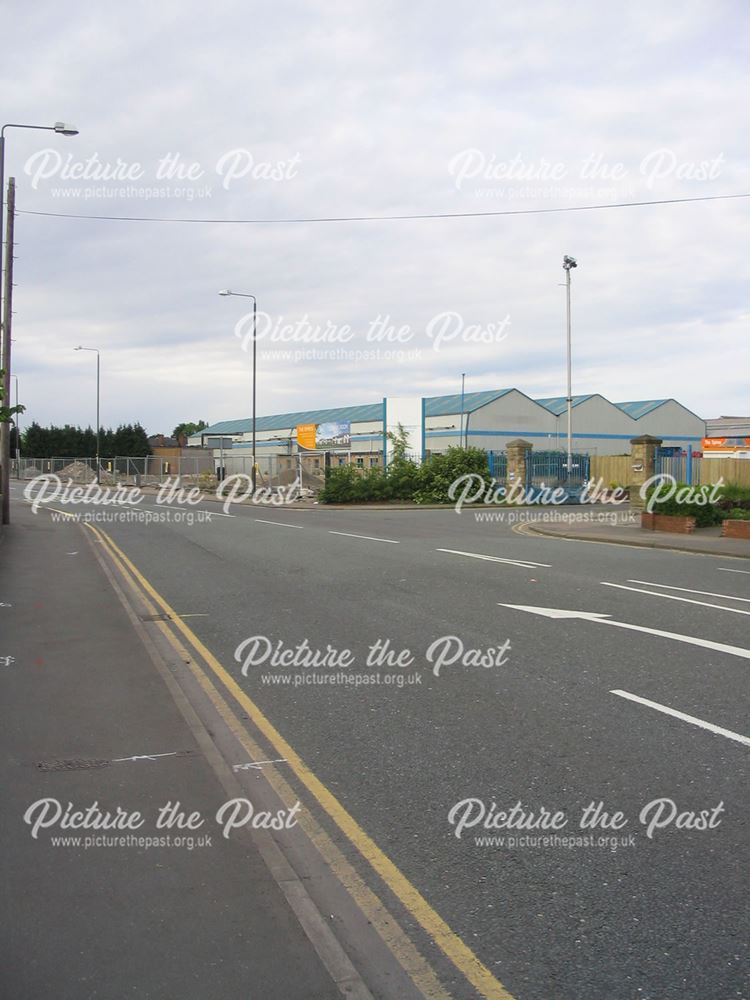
80 472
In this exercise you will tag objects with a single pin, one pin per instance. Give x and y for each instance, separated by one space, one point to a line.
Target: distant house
163 441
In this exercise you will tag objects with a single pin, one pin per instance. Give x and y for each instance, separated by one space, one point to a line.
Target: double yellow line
404 950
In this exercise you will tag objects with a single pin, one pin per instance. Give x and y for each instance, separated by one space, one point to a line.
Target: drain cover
70 765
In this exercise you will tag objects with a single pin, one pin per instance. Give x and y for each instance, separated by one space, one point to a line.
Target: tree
129 440
187 428
7 412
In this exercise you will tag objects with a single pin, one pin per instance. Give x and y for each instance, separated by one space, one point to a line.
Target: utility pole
568 264
463 394
7 323
17 424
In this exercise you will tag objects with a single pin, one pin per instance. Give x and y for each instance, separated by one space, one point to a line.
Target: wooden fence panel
732 470
611 469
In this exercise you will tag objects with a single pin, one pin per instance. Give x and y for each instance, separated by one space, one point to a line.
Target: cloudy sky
290 110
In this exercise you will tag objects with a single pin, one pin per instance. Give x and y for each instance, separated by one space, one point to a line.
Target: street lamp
244 295
95 350
568 264
62 129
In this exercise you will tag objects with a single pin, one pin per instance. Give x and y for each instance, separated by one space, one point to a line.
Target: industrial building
488 419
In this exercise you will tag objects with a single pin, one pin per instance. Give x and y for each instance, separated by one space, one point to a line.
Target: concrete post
642 465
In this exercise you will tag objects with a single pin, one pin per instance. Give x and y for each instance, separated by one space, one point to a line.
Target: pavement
83 709
627 531
571 675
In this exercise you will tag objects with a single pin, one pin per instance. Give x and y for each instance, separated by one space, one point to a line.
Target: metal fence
684 466
550 468
150 470
544 468
192 470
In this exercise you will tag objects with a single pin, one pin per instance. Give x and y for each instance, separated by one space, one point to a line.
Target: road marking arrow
604 619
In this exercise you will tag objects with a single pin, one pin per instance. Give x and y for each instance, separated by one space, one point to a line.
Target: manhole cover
70 765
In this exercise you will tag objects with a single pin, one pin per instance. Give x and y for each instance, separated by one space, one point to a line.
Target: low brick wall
678 525
735 529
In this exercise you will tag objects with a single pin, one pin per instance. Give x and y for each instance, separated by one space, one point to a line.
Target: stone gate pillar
642 465
517 451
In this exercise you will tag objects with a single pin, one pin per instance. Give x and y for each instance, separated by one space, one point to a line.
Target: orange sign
726 444
306 436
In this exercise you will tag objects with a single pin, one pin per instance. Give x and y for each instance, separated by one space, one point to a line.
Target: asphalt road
651 918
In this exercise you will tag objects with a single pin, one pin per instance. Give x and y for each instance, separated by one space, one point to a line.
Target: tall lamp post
95 350
568 264
244 295
62 129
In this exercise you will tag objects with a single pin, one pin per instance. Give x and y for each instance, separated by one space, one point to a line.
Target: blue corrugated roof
640 407
441 406
435 406
281 421
558 404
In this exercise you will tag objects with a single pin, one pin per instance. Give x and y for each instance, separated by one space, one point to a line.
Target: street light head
569 262
77 348
63 129
225 291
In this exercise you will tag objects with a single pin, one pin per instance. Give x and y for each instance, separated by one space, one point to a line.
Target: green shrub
346 484
705 513
737 514
404 479
438 473
734 497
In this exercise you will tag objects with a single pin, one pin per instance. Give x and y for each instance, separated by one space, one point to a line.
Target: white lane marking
675 597
722 569
685 718
282 524
138 506
687 590
195 614
604 619
257 764
178 506
147 756
525 563
368 538
57 510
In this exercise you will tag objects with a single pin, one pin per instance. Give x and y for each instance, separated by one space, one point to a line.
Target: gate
498 463
550 468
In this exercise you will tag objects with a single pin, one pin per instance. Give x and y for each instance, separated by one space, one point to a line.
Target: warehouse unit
599 427
488 419
667 419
